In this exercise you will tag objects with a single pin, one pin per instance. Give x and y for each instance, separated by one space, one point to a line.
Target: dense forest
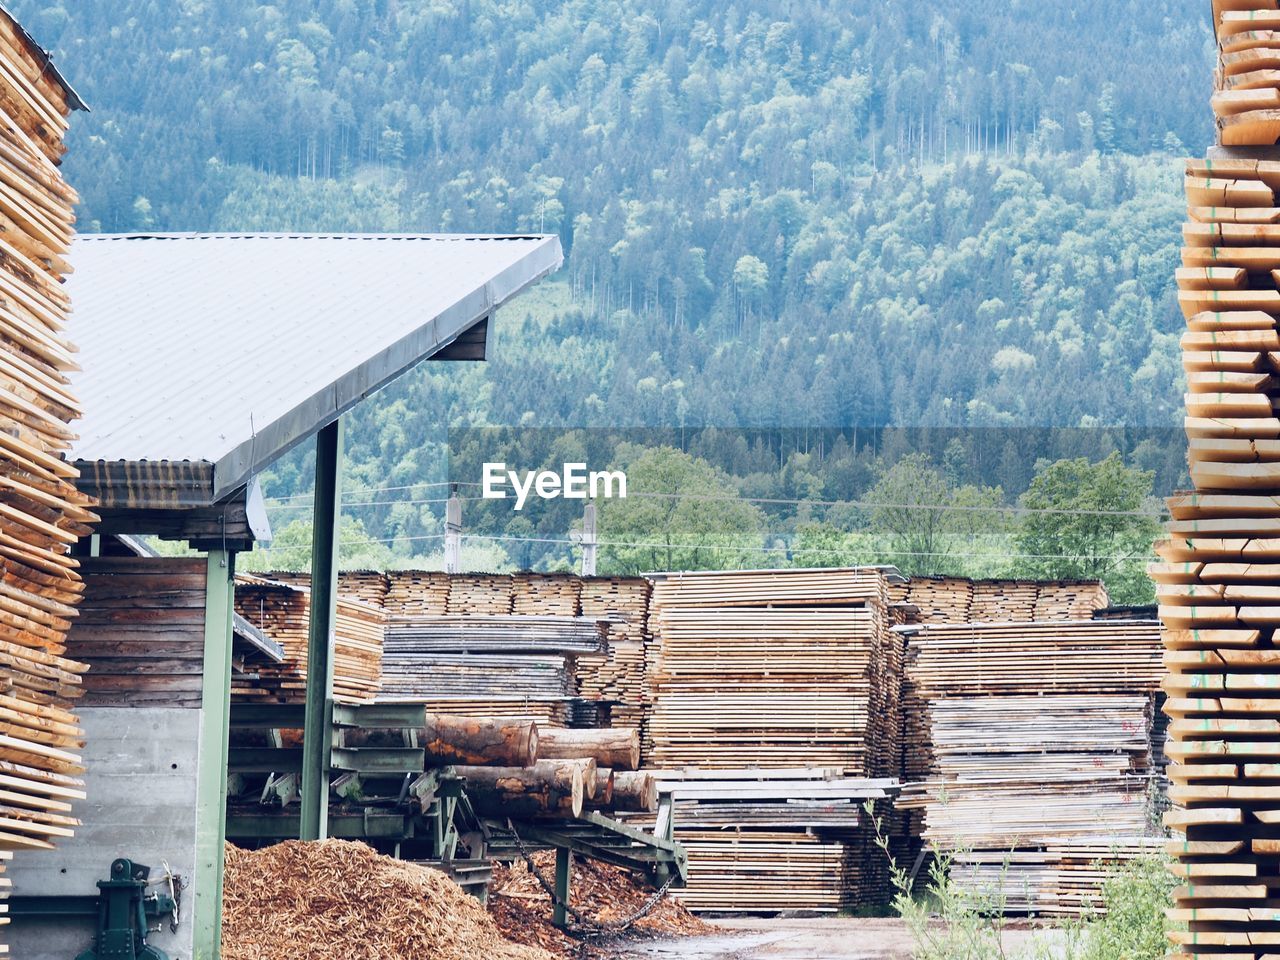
837 214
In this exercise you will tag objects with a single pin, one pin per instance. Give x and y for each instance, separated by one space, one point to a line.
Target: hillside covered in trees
828 215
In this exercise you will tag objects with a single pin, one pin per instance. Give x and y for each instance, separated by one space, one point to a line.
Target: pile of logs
777 670
1037 747
41 512
960 600
282 611
1220 563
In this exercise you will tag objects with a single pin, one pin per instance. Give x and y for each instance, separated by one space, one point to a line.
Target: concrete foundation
141 783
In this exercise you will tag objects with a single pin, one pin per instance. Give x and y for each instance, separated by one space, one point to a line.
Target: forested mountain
835 214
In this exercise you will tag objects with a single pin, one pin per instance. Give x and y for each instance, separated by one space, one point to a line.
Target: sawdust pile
604 893
337 900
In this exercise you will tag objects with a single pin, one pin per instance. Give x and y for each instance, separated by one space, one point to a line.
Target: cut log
616 748
550 789
635 791
479 742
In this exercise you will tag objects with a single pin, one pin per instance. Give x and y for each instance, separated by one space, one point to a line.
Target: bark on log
479 742
469 741
635 791
603 799
616 748
548 789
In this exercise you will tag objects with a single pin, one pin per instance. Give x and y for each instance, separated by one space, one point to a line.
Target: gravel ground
824 938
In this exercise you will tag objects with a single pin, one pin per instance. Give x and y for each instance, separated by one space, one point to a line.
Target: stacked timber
367 586
778 670
1038 751
482 593
413 593
773 840
545 594
495 665
282 611
960 600
1220 563
41 512
620 677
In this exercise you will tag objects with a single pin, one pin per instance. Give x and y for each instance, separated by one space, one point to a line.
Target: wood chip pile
41 511
1219 571
282 611
1038 750
605 893
336 900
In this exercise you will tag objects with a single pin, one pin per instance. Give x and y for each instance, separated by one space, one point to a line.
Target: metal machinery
124 911
387 797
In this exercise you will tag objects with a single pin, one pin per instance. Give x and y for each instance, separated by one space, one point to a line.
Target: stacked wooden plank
1038 750
773 840
496 665
545 594
41 512
1219 566
367 586
282 611
621 677
960 600
417 592
479 593
777 670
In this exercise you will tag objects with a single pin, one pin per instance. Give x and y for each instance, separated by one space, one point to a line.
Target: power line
752 549
861 504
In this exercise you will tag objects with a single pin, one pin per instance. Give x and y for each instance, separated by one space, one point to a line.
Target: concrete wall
141 783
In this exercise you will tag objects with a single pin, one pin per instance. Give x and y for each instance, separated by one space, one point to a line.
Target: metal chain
593 928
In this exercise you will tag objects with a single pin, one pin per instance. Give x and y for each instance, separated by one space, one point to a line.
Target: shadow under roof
215 353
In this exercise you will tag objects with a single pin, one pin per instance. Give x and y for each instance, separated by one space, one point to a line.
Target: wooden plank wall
141 630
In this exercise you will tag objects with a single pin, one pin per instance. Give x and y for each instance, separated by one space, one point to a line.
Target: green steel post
564 871
211 773
317 737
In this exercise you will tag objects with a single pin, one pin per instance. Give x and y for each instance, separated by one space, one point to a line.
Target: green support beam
211 773
318 726
564 876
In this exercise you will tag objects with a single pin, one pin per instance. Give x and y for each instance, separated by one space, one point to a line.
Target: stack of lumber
412 593
773 840
959 600
41 512
1036 752
545 594
282 611
778 670
367 586
620 676
483 593
499 665
1219 566
503 633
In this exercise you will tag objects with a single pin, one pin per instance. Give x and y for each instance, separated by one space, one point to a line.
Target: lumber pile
781 670
367 586
960 600
482 593
282 611
1219 564
545 594
41 512
488 665
416 593
619 678
1036 752
762 841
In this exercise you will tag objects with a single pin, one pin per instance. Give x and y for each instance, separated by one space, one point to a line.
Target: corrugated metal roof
231 348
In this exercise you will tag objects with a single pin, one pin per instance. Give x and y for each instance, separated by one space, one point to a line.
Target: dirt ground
823 938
